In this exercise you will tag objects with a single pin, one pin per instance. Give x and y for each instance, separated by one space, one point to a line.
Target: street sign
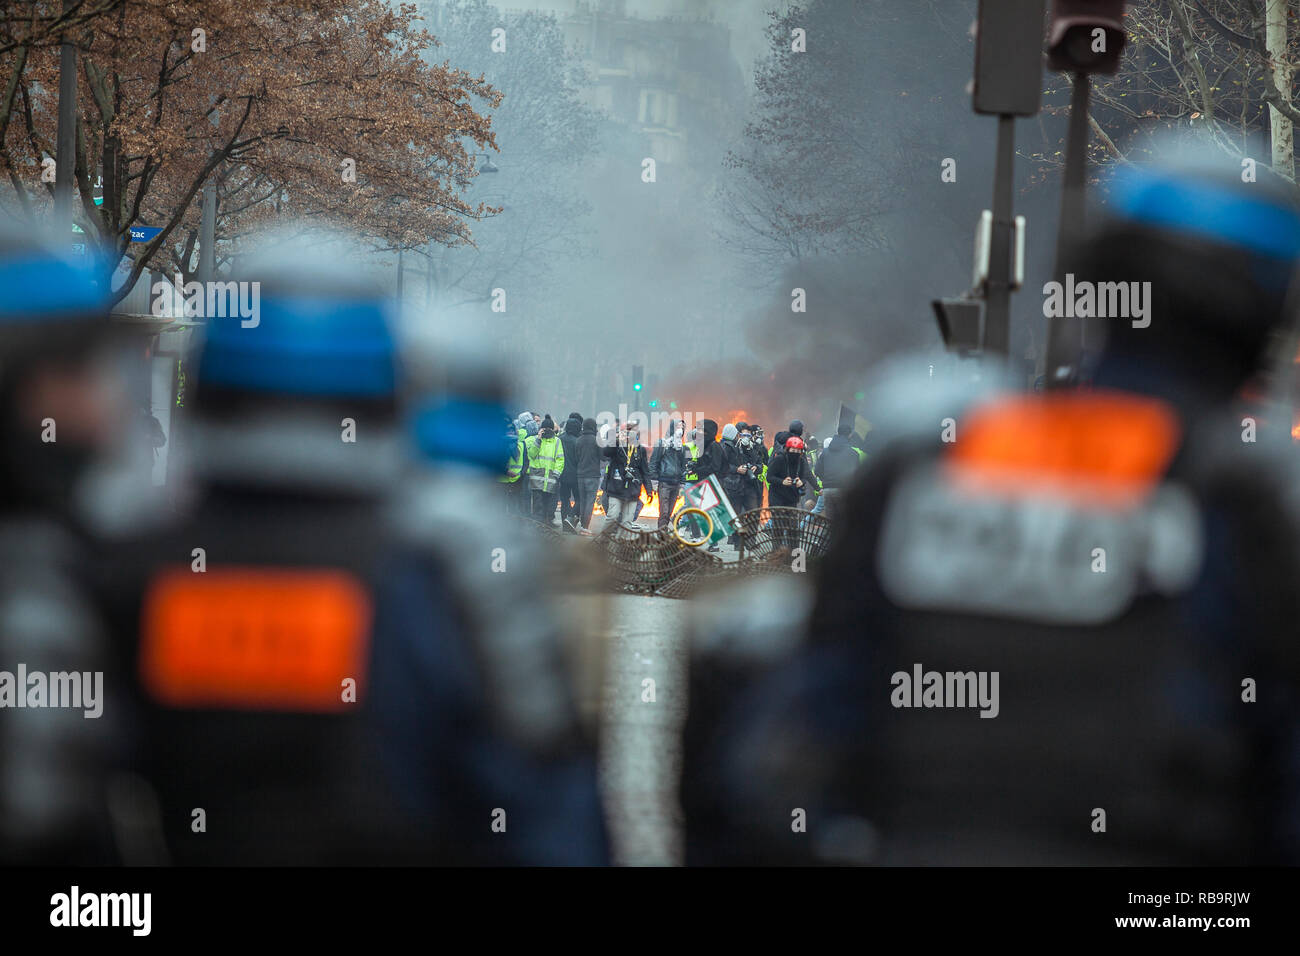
708 496
144 233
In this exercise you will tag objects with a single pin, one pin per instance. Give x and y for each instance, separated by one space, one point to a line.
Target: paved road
640 738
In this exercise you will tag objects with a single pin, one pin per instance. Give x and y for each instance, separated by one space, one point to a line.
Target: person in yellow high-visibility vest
513 479
692 448
545 462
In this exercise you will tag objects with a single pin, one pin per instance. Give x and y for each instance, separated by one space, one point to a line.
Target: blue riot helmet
1198 268
49 299
297 385
60 403
455 399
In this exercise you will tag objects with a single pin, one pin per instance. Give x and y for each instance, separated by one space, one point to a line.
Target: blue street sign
144 233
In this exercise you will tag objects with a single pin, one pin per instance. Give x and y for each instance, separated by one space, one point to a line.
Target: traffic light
654 403
959 324
637 376
1086 36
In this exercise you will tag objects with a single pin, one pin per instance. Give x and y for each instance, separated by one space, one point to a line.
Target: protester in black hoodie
711 460
570 497
587 465
788 476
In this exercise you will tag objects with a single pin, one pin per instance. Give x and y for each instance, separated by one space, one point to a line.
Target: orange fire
739 415
649 509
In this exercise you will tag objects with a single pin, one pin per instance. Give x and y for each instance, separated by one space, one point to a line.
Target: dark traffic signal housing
960 321
1008 57
1086 36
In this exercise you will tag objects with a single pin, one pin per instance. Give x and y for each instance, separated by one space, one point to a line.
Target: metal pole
208 234
997 313
1065 335
399 275
66 138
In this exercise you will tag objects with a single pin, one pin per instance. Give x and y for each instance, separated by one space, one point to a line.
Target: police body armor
258 667
55 740
1029 646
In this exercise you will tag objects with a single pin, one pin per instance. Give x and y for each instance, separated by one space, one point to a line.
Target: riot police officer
62 415
312 687
1041 636
522 749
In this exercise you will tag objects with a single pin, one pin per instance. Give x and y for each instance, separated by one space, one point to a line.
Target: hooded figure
676 437
586 470
587 451
668 468
796 428
668 461
711 455
788 466
570 498
732 458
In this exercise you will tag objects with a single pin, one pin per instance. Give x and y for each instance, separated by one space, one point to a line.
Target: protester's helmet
794 443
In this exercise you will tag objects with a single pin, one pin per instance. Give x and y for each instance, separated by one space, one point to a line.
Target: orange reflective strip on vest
255 638
1085 445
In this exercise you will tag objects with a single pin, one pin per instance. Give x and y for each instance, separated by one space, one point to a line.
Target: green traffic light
672 404
636 386
654 403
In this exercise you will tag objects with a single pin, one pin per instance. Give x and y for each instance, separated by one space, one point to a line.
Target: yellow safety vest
516 464
545 462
